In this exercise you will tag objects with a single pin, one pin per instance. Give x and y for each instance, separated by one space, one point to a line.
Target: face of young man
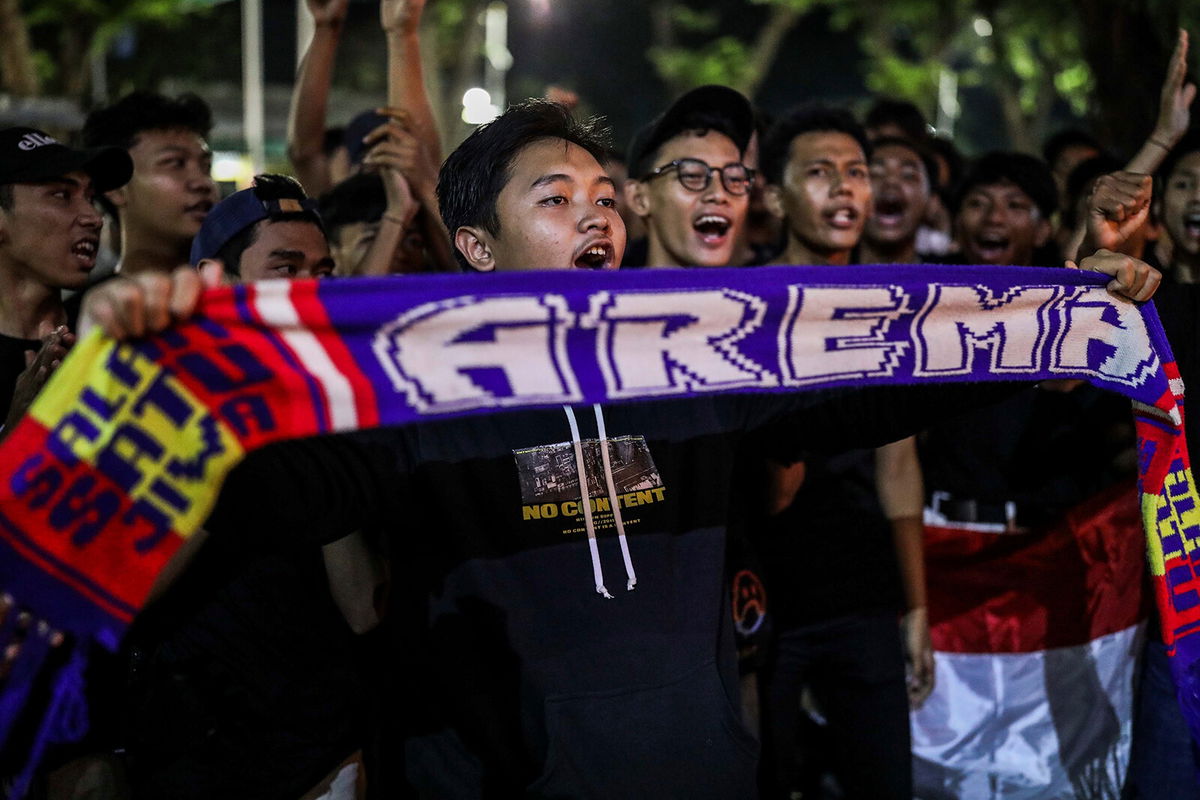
900 192
353 241
1070 158
52 232
1181 207
825 196
688 228
999 224
557 211
290 249
171 190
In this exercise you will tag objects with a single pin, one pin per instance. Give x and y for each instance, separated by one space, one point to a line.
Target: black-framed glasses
695 175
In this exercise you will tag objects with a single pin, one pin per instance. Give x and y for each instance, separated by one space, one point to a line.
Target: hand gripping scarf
120 458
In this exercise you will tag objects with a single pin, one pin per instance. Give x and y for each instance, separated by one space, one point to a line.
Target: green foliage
693 21
899 77
1076 85
803 6
106 13
722 60
94 23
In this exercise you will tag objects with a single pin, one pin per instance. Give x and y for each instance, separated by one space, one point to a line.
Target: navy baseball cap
239 211
28 155
360 126
713 100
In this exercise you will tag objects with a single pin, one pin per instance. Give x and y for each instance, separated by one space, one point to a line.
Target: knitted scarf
121 457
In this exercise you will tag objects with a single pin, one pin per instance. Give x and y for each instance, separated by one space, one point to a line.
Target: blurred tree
18 74
724 59
64 35
452 39
1127 44
1030 53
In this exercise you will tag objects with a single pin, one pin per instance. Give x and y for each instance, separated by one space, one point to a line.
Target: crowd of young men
497 674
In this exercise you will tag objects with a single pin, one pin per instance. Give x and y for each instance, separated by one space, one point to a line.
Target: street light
478 107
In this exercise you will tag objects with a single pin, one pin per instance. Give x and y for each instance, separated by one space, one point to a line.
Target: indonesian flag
1035 638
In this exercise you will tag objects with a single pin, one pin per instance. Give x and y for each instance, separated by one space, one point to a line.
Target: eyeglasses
695 175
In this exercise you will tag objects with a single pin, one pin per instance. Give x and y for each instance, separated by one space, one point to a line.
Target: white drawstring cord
585 495
612 496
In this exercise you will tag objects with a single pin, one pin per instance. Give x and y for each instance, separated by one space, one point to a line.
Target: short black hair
119 124
473 176
1189 143
1084 173
1029 173
901 113
1069 137
805 119
333 139
6 197
947 151
267 187
919 149
698 122
359 198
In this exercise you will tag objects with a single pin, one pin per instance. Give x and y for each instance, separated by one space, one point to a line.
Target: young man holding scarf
541 671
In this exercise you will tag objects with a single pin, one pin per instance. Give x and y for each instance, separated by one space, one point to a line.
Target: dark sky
598 47
595 47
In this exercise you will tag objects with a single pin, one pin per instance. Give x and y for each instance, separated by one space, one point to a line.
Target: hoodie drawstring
585 501
597 571
612 497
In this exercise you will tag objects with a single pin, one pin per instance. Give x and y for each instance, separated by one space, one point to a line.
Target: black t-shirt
1044 450
246 682
12 364
831 553
1178 307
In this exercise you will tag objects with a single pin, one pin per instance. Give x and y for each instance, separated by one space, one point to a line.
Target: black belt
961 509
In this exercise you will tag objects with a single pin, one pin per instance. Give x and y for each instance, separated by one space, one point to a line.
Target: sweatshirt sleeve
310 491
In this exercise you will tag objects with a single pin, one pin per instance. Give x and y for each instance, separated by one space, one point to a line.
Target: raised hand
1118 205
327 12
394 146
1174 114
400 16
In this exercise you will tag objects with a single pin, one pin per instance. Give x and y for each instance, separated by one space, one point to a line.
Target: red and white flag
1035 638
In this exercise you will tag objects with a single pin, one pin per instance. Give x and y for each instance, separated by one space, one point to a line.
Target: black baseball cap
28 155
239 211
721 102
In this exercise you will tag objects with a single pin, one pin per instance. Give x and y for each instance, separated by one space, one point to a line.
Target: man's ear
475 248
637 197
117 197
773 200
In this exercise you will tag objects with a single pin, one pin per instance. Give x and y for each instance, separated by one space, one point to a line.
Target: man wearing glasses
688 181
